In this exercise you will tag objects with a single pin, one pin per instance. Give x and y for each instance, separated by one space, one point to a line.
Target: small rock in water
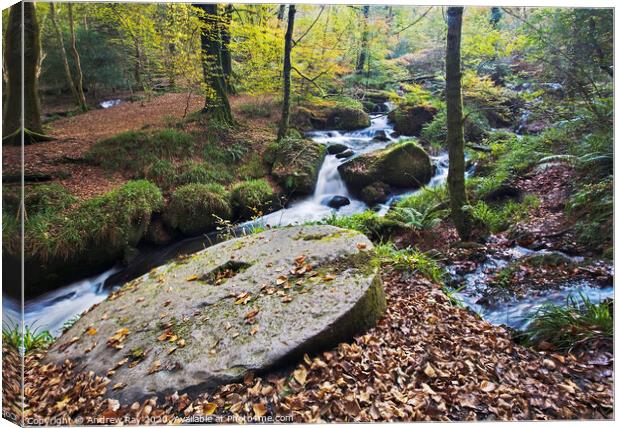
381 135
338 201
334 149
346 154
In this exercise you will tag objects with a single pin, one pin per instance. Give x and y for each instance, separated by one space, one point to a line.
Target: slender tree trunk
137 67
361 59
63 53
454 102
18 78
216 100
226 57
79 77
286 98
281 10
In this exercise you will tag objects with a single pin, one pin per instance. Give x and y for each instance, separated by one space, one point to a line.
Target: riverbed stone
345 154
399 165
295 164
246 305
410 119
338 201
334 149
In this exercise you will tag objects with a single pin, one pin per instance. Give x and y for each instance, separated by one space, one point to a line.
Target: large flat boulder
399 165
248 304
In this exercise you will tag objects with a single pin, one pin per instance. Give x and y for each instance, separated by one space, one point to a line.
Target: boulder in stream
334 149
338 201
295 164
400 165
409 120
346 154
248 304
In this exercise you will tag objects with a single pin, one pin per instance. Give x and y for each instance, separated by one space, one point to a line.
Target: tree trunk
281 10
18 79
79 76
216 99
361 60
226 57
455 140
63 54
286 98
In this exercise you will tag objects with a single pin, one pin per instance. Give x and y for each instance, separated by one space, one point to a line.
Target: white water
517 313
329 183
110 103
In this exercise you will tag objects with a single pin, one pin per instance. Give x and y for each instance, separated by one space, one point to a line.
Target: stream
50 311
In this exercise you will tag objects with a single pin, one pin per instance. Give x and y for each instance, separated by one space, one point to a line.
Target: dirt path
75 135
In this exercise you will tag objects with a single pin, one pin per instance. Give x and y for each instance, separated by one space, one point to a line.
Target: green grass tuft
577 322
29 339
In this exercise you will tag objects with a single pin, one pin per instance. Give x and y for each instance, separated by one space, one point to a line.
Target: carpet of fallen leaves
425 360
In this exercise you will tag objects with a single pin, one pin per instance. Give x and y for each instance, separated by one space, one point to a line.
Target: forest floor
62 158
427 359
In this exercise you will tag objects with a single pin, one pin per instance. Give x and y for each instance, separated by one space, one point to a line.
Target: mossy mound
400 165
197 208
251 198
295 164
410 119
65 239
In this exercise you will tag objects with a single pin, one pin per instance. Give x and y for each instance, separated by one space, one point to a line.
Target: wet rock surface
248 304
402 165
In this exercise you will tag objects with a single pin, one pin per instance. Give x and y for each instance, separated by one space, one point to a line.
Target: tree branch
310 27
414 22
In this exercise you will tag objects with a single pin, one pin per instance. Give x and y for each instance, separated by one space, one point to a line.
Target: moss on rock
410 119
330 116
296 164
197 208
251 197
64 238
400 165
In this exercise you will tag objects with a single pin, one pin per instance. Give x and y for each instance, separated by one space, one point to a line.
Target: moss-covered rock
410 119
295 164
400 165
375 193
251 197
65 239
325 116
197 208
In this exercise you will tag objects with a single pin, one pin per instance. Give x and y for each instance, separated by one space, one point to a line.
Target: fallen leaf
91 331
429 370
259 409
210 408
300 375
487 386
192 278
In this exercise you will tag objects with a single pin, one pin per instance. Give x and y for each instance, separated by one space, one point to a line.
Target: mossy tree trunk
63 53
79 76
363 56
286 72
226 57
18 78
454 104
216 99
